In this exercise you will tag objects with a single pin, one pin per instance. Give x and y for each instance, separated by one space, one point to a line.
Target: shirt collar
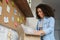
43 18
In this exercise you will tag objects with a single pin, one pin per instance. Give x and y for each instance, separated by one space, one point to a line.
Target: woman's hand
41 32
36 32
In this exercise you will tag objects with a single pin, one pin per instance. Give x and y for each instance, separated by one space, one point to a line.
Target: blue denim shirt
48 28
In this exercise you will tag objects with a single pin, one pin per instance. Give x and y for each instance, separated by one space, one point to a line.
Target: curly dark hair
46 9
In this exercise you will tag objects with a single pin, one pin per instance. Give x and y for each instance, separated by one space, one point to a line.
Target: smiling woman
45 14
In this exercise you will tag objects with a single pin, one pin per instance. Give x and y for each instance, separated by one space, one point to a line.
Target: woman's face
40 13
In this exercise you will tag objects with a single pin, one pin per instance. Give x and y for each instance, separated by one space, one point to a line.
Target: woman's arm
40 33
51 26
48 30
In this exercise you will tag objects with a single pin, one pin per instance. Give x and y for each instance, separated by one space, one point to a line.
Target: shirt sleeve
51 26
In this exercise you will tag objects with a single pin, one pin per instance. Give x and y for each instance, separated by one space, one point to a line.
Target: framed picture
12 18
0 10
8 8
15 11
6 19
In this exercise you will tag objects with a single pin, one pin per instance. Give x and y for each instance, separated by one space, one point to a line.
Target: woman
46 22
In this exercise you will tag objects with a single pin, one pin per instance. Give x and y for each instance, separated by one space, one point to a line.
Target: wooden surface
25 36
10 24
24 7
31 37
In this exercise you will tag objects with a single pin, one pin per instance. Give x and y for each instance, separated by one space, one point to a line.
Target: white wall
34 3
32 21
